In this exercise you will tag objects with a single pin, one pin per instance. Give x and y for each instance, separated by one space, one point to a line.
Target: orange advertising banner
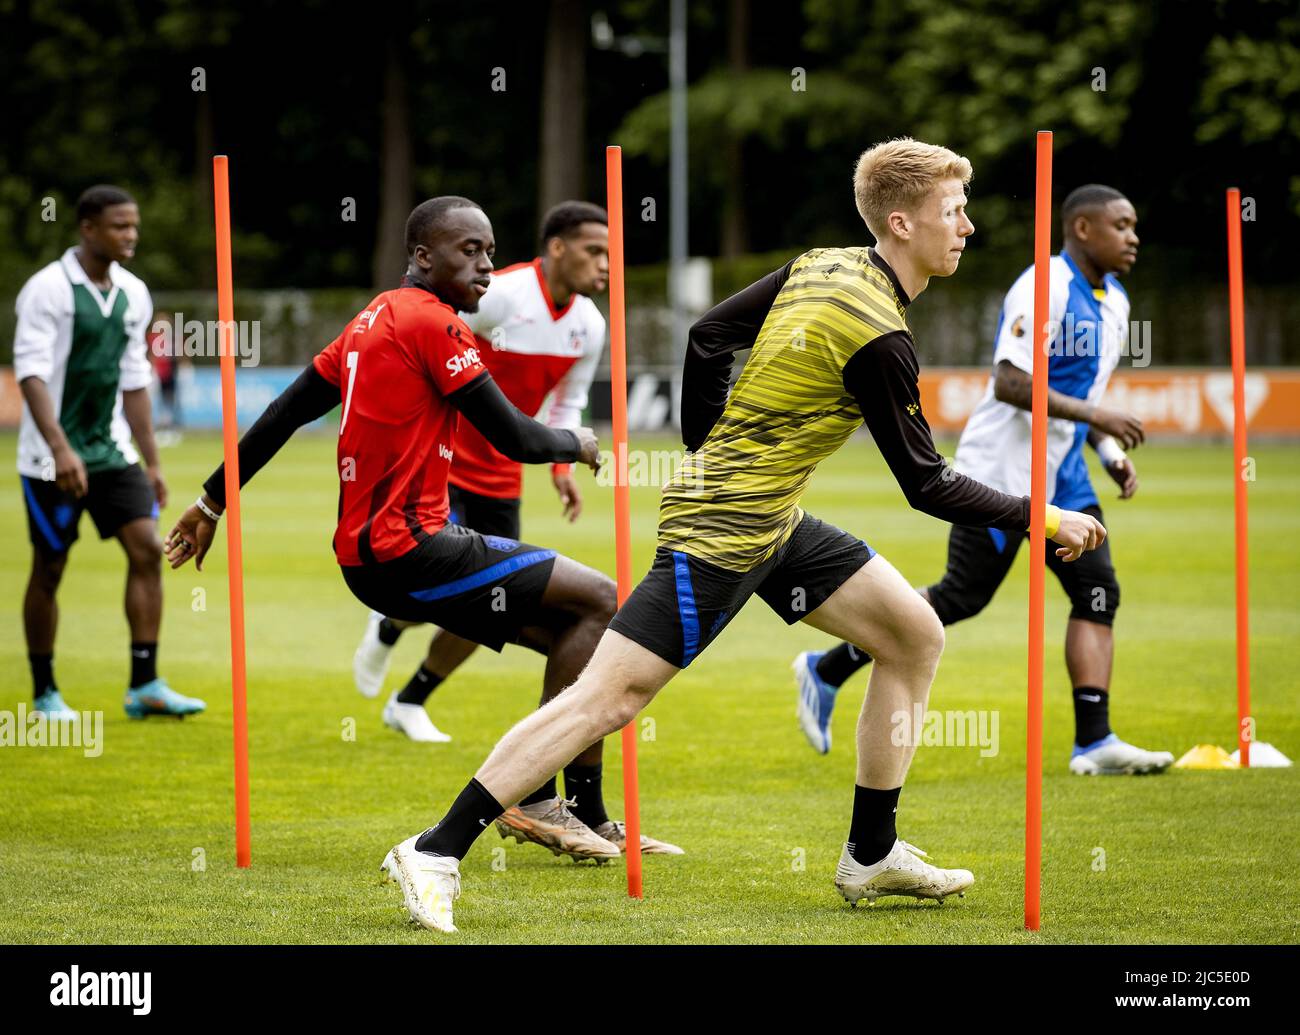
1175 401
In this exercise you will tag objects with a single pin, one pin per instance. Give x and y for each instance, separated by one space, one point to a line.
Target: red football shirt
533 348
395 365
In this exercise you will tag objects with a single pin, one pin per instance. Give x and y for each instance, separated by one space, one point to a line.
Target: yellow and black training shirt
831 349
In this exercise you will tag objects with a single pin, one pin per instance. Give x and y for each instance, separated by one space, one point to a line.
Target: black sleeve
882 376
511 432
714 339
309 397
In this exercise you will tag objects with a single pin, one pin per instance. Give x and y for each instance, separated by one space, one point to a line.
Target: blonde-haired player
830 351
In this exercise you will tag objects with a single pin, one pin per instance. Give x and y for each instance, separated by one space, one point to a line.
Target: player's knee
145 553
916 639
621 710
605 600
47 570
927 638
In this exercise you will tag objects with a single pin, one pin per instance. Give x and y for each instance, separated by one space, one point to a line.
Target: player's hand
159 486
588 448
1078 532
1123 427
569 495
1125 475
191 537
70 472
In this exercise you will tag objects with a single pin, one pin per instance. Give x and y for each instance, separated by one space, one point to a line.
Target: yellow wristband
1053 521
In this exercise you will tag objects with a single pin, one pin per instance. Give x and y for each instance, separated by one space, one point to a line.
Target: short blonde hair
899 173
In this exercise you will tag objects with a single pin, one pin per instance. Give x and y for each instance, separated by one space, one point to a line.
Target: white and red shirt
394 365
534 349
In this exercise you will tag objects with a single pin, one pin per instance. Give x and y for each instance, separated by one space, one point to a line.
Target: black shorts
979 559
483 588
679 608
490 515
114 498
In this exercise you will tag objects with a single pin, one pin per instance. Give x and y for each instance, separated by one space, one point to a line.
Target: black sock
42 673
421 685
582 783
469 815
1091 714
545 792
872 832
388 632
144 663
838 663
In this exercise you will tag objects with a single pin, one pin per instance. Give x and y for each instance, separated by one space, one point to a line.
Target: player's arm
882 377
516 435
1115 461
711 347
69 469
137 408
35 335
310 397
1015 386
568 400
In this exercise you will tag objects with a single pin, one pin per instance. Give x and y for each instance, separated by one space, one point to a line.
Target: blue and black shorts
114 498
980 558
681 606
484 588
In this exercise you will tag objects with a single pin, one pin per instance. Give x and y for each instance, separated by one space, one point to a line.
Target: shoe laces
561 811
454 875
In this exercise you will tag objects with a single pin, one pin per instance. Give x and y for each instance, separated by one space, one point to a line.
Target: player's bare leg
40 603
1089 655
582 602
147 694
447 652
144 591
878 611
40 622
621 678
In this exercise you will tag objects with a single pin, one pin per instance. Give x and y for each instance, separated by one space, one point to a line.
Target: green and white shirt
88 346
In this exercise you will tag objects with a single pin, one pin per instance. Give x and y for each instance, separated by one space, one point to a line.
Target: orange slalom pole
622 504
1237 334
234 538
1038 530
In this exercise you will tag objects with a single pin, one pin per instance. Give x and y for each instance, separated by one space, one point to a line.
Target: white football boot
1113 757
370 662
901 872
412 720
429 883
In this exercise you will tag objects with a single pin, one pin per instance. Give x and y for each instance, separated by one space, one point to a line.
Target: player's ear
421 257
899 225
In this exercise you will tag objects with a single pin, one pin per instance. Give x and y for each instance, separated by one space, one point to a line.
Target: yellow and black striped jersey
831 348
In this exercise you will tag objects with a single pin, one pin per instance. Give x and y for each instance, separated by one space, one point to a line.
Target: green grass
101 849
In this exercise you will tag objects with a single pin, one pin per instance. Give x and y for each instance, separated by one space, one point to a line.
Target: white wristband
1109 452
206 509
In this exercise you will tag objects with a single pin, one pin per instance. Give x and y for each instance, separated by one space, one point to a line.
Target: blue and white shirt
1088 331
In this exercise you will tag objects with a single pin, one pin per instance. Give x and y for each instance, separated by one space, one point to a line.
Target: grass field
104 849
